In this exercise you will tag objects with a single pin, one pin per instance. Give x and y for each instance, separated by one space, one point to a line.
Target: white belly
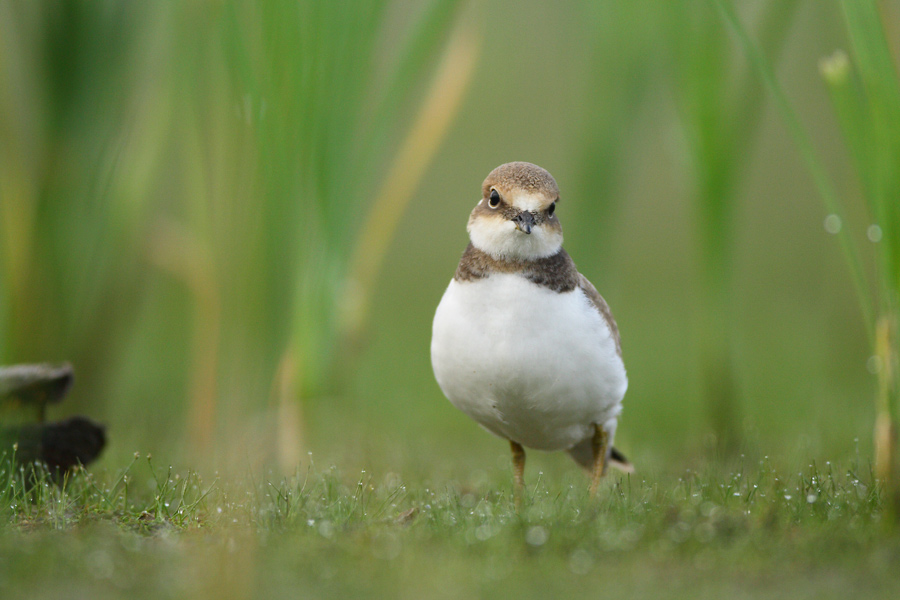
527 363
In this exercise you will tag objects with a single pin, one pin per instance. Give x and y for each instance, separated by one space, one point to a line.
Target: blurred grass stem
174 251
720 116
289 418
869 116
885 426
807 151
406 171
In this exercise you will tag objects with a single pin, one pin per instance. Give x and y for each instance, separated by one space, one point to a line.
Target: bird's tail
583 454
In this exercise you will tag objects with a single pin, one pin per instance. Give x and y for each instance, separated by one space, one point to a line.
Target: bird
521 341
26 435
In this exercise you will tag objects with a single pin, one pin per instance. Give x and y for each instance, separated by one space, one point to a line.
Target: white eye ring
494 199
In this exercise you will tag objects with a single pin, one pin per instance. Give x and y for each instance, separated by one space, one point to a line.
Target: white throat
502 239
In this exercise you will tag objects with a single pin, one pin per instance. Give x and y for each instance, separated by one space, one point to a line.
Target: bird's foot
599 446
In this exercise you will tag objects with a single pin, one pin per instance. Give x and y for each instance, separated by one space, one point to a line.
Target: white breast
527 363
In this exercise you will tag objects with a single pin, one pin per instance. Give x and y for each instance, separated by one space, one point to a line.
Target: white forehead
528 201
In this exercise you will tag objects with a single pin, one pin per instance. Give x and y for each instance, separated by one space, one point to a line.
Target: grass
180 221
866 97
720 106
149 531
207 169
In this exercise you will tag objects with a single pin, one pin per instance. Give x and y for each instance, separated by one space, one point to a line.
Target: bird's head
515 218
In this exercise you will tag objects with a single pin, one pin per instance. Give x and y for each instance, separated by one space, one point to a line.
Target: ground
750 532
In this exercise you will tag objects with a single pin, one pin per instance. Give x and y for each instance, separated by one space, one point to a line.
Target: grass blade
801 138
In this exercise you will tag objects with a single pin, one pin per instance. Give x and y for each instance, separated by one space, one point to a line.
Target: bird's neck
557 272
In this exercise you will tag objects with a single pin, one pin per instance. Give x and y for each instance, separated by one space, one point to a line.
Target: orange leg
518 457
599 446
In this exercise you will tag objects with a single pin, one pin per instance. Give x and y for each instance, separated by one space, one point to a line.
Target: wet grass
720 106
865 93
148 531
179 223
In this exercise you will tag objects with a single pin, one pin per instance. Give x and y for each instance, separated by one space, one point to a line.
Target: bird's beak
524 221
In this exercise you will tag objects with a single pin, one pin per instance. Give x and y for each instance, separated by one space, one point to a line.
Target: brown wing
602 307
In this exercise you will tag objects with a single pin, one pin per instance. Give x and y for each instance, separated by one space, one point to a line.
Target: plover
522 342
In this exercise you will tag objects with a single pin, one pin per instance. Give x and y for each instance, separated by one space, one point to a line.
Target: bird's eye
494 200
551 209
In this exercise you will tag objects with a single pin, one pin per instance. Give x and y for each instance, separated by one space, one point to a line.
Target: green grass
150 531
181 222
219 170
865 94
720 107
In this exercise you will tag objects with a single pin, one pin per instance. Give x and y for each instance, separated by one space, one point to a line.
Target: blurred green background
236 220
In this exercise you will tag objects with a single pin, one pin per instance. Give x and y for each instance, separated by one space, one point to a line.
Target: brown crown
523 175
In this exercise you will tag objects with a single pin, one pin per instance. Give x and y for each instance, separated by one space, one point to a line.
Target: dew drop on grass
486 531
873 364
833 224
326 529
580 562
811 498
835 68
537 536
874 233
